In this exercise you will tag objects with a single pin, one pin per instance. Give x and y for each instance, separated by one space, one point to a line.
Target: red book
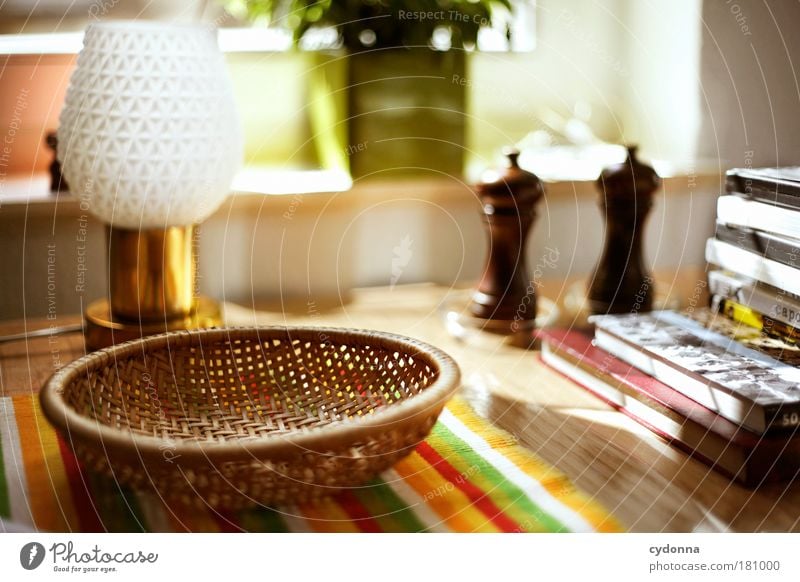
748 457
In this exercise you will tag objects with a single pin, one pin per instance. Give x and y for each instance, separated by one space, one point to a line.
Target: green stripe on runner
263 520
117 509
474 468
138 517
5 506
393 515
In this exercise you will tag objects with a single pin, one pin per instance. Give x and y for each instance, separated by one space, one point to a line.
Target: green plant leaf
352 17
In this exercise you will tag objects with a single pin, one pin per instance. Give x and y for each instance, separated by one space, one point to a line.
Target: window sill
268 188
231 40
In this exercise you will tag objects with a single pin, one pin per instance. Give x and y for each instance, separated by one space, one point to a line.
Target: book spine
752 265
771 302
748 316
627 384
763 190
783 419
727 403
680 353
779 249
739 211
775 303
780 310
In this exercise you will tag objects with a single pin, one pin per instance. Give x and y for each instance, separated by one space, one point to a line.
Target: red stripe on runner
81 498
478 497
358 513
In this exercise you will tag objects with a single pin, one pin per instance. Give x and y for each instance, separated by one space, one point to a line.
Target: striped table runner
468 476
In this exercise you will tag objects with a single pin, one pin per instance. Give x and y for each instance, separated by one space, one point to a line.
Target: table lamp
149 140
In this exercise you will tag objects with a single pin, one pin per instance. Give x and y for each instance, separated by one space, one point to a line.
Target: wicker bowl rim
320 438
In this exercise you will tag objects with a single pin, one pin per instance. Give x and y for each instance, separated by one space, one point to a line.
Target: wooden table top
646 483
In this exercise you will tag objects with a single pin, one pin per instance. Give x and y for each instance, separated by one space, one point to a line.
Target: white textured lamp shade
149 136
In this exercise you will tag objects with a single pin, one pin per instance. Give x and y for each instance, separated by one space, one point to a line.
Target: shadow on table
647 484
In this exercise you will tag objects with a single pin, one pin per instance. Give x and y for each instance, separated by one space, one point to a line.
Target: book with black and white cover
753 265
739 211
739 383
729 448
772 185
775 303
780 249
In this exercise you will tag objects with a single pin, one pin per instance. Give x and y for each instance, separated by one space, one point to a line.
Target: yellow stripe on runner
446 499
48 488
325 516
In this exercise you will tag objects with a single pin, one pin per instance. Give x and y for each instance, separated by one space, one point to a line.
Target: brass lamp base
152 276
102 330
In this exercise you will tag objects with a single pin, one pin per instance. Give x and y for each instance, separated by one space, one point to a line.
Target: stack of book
757 243
700 381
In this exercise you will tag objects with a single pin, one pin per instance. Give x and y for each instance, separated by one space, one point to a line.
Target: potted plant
405 74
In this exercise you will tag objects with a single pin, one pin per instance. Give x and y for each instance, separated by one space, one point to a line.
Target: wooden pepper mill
621 282
505 293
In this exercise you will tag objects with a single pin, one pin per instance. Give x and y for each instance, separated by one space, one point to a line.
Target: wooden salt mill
621 282
505 294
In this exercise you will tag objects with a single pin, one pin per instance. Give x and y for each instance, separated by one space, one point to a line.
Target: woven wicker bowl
232 417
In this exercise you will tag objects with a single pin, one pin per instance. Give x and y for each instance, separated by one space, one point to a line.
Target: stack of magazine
699 380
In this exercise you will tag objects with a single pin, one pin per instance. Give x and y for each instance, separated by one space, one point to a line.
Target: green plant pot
405 112
389 112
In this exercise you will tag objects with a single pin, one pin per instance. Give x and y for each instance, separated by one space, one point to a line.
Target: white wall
425 231
751 93
662 111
